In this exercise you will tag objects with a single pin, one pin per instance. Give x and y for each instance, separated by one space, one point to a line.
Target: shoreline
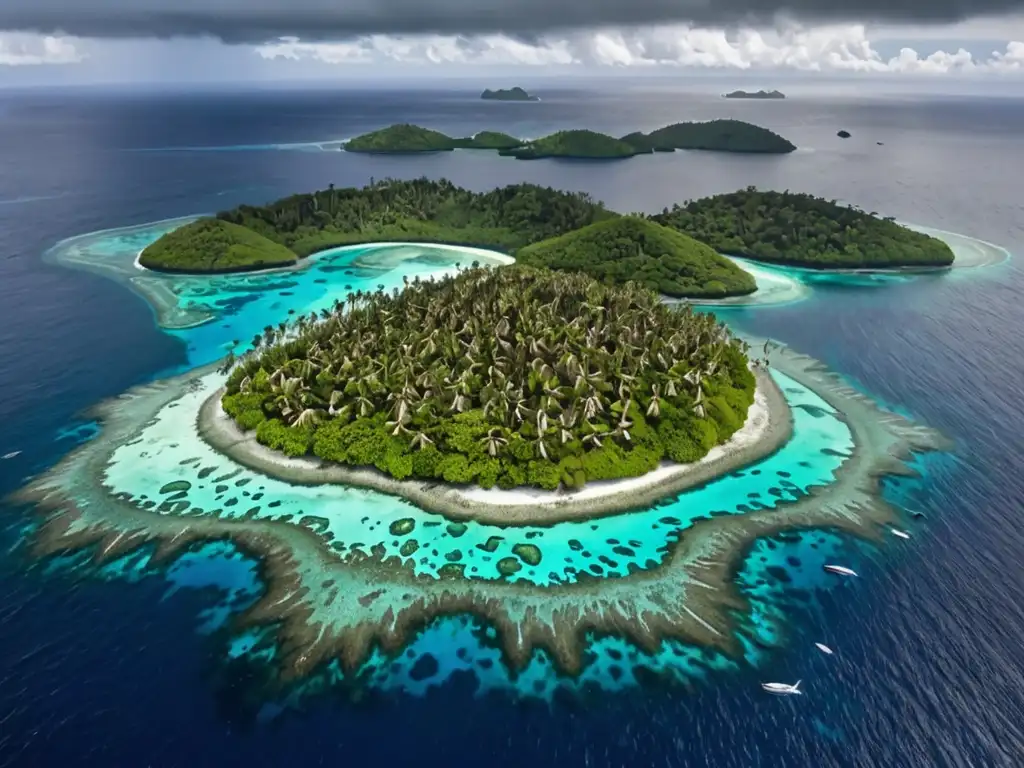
302 261
768 427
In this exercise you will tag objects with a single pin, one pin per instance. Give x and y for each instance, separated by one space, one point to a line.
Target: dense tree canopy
405 138
401 138
632 248
505 218
574 144
714 135
803 230
212 245
510 376
718 135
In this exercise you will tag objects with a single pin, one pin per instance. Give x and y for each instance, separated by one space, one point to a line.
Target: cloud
831 48
22 50
257 21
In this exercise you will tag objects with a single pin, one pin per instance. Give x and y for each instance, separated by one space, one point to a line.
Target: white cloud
19 49
423 49
833 48
1010 60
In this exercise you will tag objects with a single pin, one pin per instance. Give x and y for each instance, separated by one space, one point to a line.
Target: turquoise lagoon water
352 520
167 455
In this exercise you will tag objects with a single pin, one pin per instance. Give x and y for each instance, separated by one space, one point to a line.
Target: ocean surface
98 669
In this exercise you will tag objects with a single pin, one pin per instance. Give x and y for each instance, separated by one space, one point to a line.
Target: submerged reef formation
137 485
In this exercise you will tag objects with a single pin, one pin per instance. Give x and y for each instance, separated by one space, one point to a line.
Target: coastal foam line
330 606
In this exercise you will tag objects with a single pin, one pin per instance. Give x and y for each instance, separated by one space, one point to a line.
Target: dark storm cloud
262 20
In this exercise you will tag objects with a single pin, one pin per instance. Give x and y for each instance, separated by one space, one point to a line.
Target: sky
72 42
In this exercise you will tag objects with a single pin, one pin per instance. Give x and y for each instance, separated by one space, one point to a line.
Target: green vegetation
401 138
410 139
803 230
508 94
489 140
718 135
714 135
420 210
506 219
755 95
212 245
511 376
574 144
632 248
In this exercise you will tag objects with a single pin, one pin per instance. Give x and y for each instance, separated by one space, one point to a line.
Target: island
409 139
577 144
213 246
506 219
804 231
510 376
633 248
754 95
843 134
487 375
712 135
507 94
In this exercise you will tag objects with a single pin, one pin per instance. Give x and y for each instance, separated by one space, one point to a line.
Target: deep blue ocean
112 672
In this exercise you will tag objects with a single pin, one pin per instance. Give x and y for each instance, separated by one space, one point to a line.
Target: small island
411 139
712 135
507 94
843 134
754 95
633 248
578 144
804 231
506 377
213 246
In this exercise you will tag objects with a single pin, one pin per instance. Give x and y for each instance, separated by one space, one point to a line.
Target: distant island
507 94
754 95
843 134
506 377
713 135
803 231
564 231
412 139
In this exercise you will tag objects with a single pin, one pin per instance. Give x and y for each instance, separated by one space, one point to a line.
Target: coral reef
332 602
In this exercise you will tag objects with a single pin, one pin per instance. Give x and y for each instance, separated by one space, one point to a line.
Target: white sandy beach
768 426
756 425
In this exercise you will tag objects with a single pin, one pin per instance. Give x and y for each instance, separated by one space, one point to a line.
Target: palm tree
555 357
493 442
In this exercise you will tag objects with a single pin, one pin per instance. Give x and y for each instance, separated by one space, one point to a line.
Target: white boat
841 570
823 648
901 534
783 689
10 455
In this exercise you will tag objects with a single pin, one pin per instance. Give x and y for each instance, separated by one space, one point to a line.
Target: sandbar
768 426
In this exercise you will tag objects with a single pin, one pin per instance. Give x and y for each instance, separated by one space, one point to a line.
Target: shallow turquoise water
358 520
354 519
